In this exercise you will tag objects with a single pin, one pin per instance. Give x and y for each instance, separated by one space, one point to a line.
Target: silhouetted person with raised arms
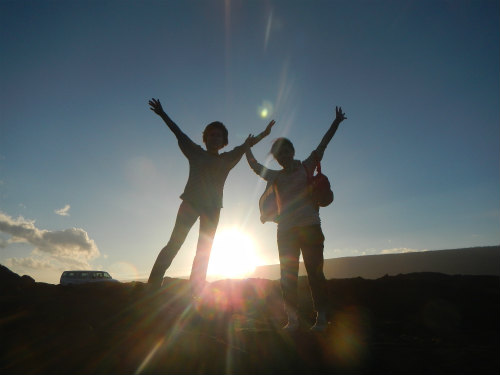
299 224
202 196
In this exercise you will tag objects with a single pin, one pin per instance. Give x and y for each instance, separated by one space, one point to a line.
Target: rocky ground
406 324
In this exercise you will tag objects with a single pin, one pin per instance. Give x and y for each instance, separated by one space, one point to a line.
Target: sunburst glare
233 254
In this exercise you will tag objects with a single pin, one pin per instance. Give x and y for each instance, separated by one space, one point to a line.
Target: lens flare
265 110
348 346
124 271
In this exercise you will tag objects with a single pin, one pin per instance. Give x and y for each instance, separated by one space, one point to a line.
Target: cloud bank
57 249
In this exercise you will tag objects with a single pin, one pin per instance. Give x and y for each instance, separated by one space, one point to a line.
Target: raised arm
264 134
339 117
157 108
251 140
266 173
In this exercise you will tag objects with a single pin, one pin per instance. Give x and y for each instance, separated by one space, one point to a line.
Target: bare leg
289 253
186 217
312 240
208 226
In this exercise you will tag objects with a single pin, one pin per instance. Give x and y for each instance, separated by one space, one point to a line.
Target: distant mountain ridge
466 261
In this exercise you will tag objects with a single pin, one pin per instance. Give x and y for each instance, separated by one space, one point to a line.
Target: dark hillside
405 324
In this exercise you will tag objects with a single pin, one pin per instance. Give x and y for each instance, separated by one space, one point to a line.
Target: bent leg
186 217
312 244
209 219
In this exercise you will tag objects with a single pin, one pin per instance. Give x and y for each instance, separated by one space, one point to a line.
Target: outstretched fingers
267 131
155 105
269 126
339 114
251 140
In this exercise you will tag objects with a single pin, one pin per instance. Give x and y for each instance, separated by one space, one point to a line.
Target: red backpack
321 190
321 194
267 204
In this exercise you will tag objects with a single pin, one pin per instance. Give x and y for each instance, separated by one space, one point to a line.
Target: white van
82 277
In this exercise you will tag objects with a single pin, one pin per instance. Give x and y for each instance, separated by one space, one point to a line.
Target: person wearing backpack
299 224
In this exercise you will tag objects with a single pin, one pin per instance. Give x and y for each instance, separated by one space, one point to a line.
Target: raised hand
156 106
263 134
339 115
268 128
251 141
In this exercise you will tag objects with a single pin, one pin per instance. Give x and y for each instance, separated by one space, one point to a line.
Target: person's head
215 136
283 151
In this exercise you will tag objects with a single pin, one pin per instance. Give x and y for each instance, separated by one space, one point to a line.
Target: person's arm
263 134
251 140
339 117
158 109
264 172
186 145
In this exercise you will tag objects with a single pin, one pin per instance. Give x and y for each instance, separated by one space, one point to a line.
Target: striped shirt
295 206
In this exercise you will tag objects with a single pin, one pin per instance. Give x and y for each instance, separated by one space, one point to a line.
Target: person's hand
269 126
265 133
339 115
156 106
251 141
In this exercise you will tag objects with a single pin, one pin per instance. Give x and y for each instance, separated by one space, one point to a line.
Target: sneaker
321 323
291 327
293 322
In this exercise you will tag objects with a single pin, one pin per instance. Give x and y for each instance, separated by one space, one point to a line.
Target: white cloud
67 244
400 250
29 263
63 211
43 267
39 261
54 251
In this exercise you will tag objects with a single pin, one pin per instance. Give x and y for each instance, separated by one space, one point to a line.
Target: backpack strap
310 175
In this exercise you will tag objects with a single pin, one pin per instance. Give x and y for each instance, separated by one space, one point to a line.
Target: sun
233 254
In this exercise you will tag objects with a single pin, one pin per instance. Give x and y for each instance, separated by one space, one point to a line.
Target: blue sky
90 177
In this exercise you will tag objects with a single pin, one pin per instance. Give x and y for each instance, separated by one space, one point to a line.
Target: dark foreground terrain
407 324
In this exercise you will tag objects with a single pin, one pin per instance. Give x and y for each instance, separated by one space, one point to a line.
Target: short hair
216 125
278 143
